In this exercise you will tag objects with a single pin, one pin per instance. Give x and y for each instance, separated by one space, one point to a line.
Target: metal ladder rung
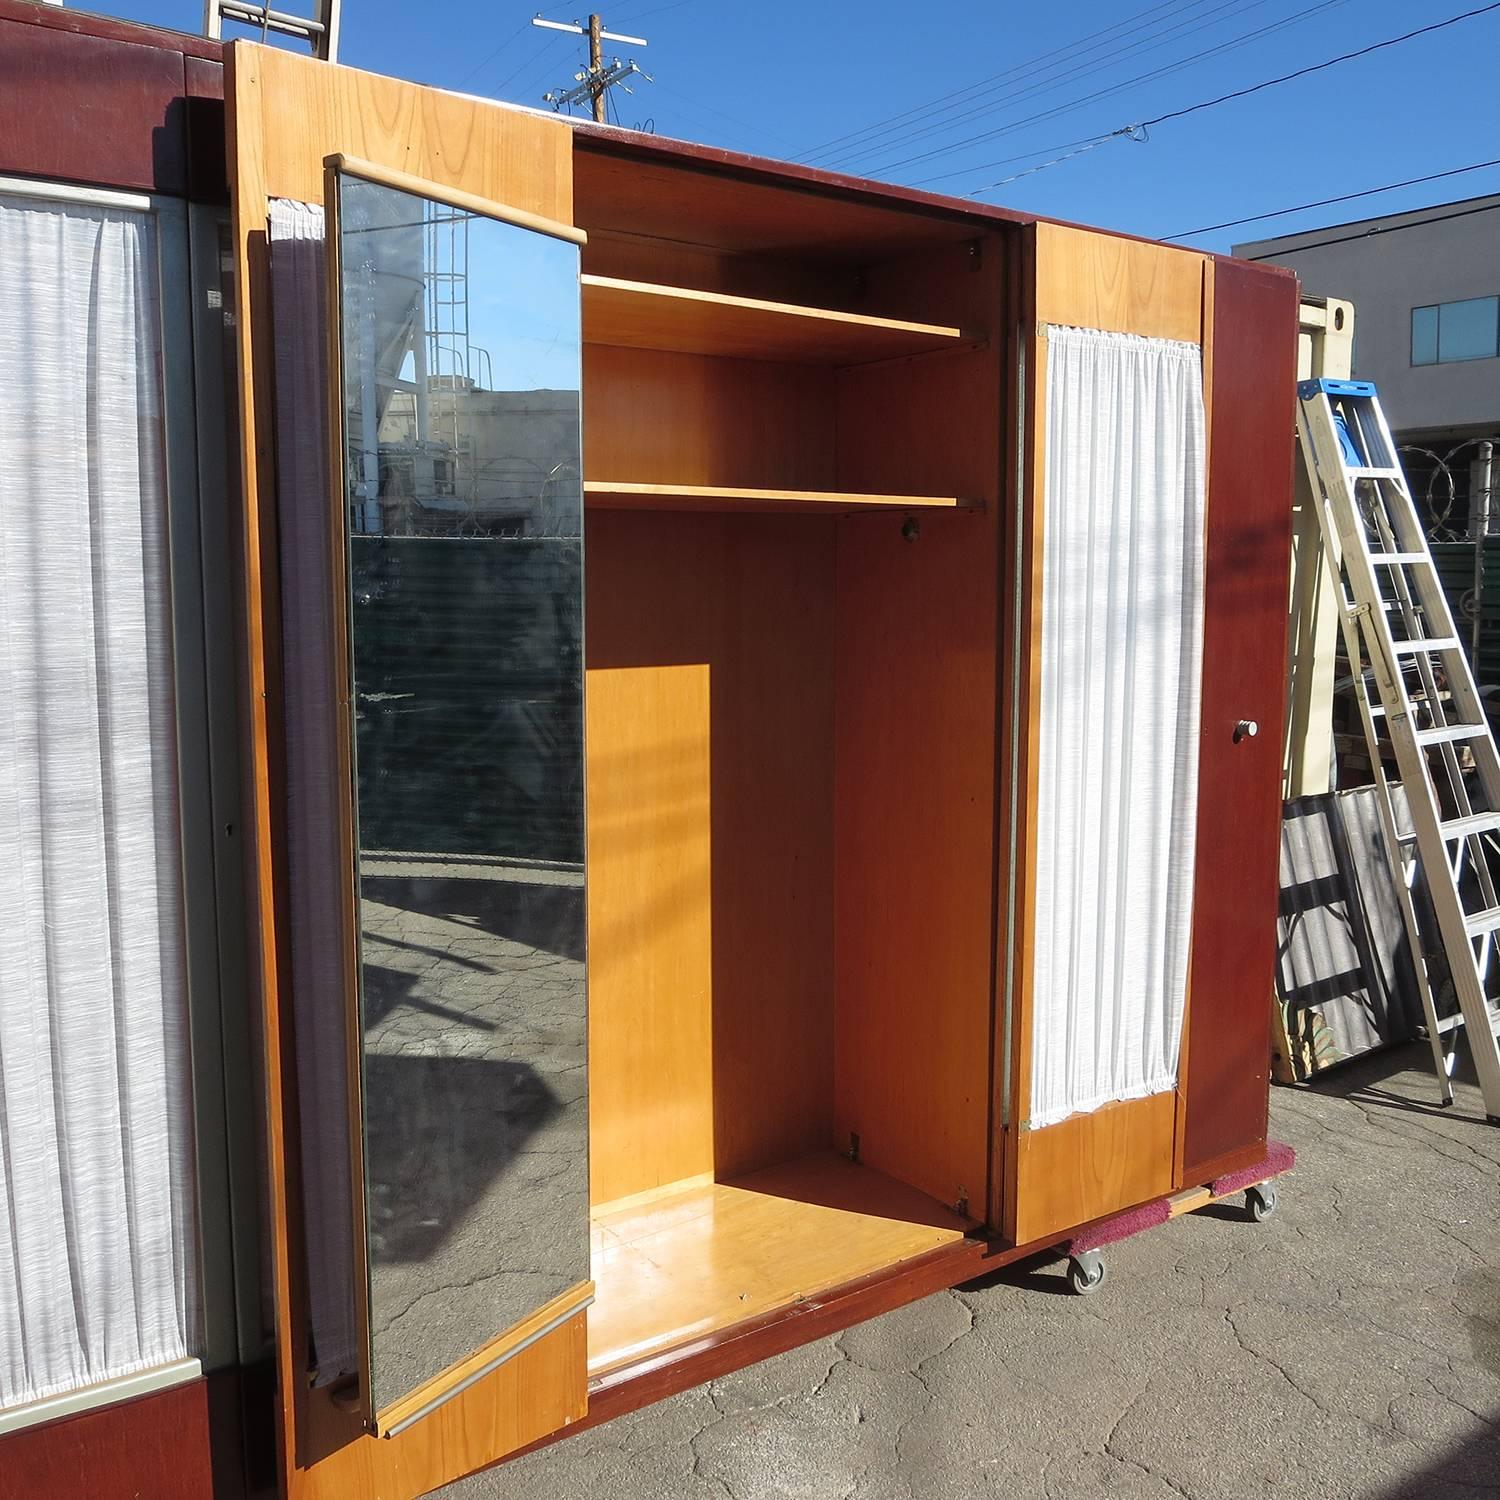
1453 1022
1480 923
1427 643
1448 733
1462 828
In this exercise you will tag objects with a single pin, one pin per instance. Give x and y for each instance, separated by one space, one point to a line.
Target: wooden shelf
699 1257
604 494
646 315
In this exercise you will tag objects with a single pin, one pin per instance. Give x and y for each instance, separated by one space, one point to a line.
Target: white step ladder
1399 632
320 28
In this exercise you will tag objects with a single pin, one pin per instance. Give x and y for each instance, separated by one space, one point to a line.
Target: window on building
1451 331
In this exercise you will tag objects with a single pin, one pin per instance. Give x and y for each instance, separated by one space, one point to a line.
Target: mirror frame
505 1343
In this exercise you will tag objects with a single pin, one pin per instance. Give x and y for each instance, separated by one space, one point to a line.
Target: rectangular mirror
462 536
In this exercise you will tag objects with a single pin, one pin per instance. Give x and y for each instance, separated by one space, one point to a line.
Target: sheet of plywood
712 1255
915 812
692 419
710 654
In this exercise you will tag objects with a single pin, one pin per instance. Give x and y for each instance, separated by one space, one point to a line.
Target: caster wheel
1260 1201
1086 1273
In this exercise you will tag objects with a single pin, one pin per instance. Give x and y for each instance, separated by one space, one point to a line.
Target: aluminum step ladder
319 29
1400 636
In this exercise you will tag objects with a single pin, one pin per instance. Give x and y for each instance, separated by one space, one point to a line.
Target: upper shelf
645 315
603 494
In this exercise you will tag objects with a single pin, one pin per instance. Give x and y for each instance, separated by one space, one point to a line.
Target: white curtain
1122 640
313 793
98 1270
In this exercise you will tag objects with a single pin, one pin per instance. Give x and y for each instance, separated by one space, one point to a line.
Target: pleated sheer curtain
1122 645
98 1274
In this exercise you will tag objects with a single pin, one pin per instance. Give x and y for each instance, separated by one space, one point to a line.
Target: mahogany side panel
183 1443
1227 1058
92 109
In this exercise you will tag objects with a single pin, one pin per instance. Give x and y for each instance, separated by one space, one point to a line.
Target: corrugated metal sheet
1344 968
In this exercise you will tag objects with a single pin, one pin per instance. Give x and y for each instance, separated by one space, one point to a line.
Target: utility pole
596 65
595 82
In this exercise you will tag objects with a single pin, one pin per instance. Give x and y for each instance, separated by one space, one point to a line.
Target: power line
478 68
1256 88
1115 88
1365 234
1075 68
1281 213
893 124
1394 41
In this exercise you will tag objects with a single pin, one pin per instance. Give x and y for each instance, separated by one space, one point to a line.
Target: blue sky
784 79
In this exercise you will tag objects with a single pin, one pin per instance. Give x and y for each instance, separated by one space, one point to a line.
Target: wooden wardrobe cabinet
814 468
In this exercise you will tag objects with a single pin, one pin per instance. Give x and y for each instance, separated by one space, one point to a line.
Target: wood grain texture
423 187
605 494
495 153
651 1108
918 631
648 315
93 109
1089 280
1094 1164
677 194
286 114
710 756
178 1444
688 419
709 1257
510 1342
1077 279
1244 672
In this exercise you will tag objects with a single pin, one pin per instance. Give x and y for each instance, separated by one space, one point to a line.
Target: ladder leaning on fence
1399 634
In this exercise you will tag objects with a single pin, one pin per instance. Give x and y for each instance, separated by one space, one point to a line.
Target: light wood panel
1091 1165
495 153
399 1415
730 866
602 494
286 114
712 1256
1111 1158
648 315
1090 280
915 737
651 1079
689 419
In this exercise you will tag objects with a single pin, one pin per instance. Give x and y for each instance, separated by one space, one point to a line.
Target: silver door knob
1246 729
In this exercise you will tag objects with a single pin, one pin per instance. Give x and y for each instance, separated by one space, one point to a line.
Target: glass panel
1466 330
1424 335
462 349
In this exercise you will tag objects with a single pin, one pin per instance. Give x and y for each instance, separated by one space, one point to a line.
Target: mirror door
461 563
412 635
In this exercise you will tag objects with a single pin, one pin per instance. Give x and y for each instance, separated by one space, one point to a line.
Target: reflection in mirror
461 353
